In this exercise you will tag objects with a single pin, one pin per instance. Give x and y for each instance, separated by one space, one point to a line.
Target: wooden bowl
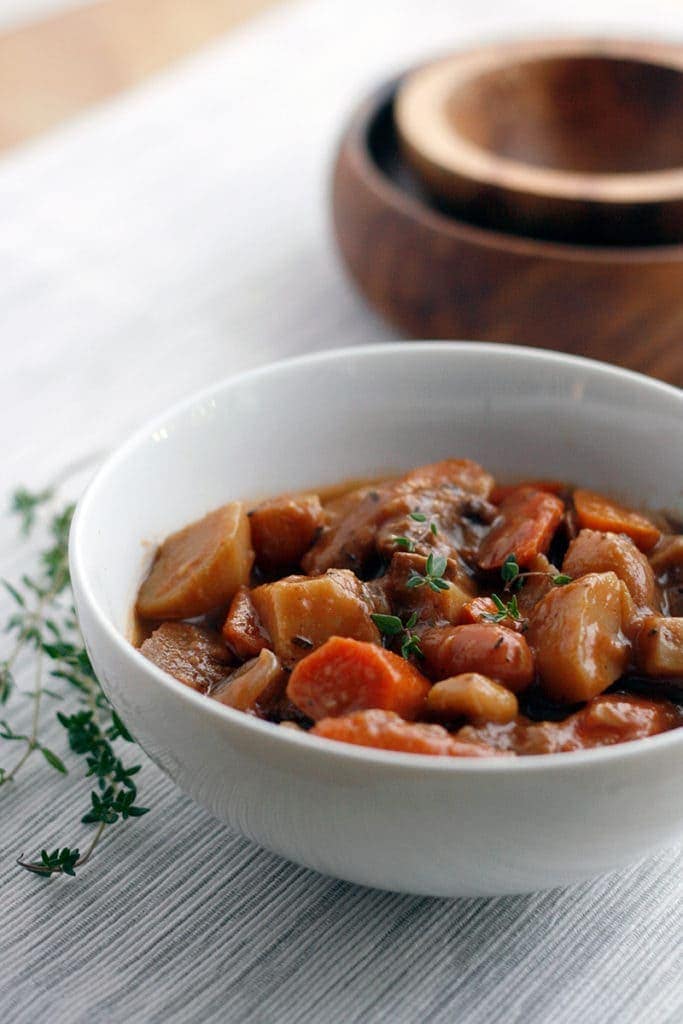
575 140
435 276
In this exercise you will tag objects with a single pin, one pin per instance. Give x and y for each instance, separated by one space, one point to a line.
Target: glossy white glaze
412 823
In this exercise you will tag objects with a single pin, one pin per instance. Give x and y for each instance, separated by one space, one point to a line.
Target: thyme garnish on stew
43 623
435 567
512 577
391 626
514 580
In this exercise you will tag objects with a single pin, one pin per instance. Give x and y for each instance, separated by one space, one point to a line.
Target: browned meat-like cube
194 656
435 607
198 569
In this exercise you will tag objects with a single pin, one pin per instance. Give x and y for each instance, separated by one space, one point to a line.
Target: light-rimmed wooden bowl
576 140
436 276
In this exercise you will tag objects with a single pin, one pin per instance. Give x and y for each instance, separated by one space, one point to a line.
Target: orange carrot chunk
388 731
347 675
479 609
594 512
525 527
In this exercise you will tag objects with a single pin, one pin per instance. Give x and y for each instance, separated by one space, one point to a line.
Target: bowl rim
354 146
453 153
304 742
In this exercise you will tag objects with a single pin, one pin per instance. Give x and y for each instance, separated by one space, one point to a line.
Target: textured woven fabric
154 246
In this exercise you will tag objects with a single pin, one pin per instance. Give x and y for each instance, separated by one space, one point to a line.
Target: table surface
59 65
150 247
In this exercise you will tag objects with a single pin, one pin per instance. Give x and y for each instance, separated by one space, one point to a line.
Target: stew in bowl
439 612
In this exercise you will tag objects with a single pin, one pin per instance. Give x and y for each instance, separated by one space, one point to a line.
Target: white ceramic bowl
448 827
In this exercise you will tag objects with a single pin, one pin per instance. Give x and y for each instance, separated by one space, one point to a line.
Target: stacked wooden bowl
528 193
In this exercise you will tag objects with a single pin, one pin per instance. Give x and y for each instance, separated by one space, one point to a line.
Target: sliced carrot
502 491
476 611
525 527
347 675
242 630
481 609
596 512
388 731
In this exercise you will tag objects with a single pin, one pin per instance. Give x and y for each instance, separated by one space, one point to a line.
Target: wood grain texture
435 276
56 68
576 140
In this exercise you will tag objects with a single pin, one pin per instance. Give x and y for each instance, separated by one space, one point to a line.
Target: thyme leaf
43 624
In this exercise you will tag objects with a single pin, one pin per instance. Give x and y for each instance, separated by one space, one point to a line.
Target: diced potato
525 527
488 648
284 528
659 647
473 696
194 656
434 606
300 612
595 512
242 630
199 569
595 551
388 731
252 682
347 675
575 632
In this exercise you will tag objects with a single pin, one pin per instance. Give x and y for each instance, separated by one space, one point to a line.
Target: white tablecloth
164 241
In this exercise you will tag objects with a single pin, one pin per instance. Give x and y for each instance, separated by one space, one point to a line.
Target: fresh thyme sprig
391 626
406 543
505 610
43 622
514 579
512 576
432 577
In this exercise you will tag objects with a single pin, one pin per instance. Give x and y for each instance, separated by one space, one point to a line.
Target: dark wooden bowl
435 276
571 140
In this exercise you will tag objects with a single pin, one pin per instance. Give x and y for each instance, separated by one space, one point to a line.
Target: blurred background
58 57
165 201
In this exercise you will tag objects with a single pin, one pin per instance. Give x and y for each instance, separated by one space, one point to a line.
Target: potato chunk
659 647
194 656
575 632
283 529
594 551
302 612
199 569
432 606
